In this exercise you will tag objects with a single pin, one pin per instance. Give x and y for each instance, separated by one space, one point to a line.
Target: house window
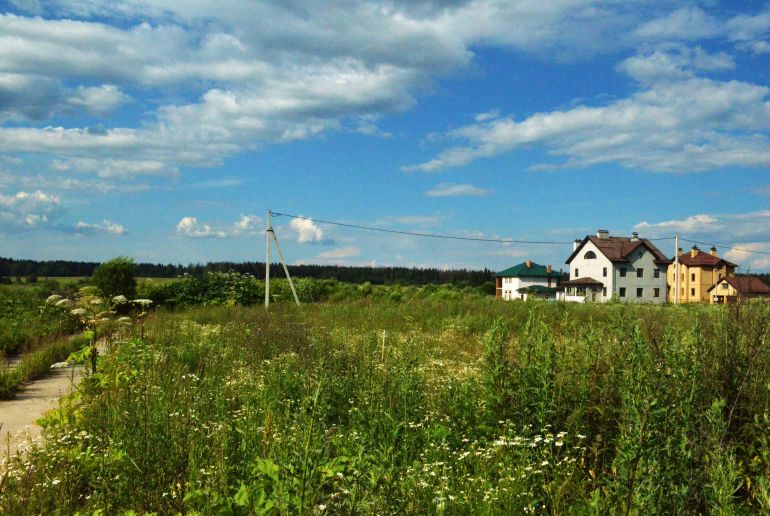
681 276
581 291
692 277
720 275
604 291
604 272
656 292
590 255
577 272
622 272
640 273
622 292
682 291
724 286
639 292
692 291
656 273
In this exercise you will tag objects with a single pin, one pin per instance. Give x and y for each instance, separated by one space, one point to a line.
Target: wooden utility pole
269 231
676 269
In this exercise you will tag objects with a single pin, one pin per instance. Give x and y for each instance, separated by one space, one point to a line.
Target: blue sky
164 130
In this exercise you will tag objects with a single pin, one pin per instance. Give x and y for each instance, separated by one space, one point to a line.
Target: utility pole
676 269
269 231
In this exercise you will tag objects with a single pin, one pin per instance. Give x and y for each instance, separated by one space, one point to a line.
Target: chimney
694 251
529 264
634 236
679 251
713 251
549 269
603 234
575 244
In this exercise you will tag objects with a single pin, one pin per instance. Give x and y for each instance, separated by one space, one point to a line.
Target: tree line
10 267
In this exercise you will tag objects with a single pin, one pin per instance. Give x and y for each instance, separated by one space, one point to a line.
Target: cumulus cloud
97 100
106 226
676 122
27 210
751 256
271 72
455 190
703 223
728 228
191 228
307 231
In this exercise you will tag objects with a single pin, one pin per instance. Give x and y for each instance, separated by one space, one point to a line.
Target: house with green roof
527 279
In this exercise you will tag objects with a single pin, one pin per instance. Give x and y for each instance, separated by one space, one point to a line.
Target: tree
116 277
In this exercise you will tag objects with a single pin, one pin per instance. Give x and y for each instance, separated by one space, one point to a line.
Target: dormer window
590 255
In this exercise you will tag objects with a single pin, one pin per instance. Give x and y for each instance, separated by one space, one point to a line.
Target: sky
165 129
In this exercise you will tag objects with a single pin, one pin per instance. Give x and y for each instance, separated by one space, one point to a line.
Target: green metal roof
536 289
521 270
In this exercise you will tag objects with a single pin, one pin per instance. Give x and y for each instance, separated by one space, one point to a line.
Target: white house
527 279
630 269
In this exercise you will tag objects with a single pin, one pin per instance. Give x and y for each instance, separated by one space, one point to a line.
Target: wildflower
119 300
64 303
53 298
78 311
144 303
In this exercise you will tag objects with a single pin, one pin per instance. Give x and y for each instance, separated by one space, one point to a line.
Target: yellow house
734 289
698 272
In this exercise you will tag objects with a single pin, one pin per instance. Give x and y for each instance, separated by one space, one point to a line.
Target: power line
722 246
494 240
429 235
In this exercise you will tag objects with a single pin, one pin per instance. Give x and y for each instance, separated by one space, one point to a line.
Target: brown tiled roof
618 249
749 285
582 281
703 260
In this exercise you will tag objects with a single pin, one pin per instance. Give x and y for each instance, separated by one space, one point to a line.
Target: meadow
428 400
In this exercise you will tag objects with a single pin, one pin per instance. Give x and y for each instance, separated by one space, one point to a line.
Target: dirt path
18 416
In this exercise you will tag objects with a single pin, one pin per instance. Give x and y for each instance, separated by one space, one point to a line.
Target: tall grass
377 406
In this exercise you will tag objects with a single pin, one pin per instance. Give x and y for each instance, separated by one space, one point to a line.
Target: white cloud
97 100
455 190
190 227
106 226
258 73
676 122
687 23
27 210
750 261
340 253
702 223
728 228
307 231
246 225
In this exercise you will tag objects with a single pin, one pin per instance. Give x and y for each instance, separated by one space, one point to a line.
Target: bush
116 277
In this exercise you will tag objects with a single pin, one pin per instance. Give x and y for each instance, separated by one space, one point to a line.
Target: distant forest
10 267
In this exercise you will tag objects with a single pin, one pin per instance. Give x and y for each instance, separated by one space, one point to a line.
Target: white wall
511 285
593 268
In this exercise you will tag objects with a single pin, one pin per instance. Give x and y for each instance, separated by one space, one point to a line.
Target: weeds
464 406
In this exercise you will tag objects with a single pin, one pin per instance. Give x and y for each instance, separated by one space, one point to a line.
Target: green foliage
27 321
419 405
116 277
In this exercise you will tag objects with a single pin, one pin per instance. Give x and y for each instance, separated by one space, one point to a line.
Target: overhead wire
723 246
482 239
418 234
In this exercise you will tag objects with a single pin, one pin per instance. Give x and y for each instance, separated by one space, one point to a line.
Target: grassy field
417 406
